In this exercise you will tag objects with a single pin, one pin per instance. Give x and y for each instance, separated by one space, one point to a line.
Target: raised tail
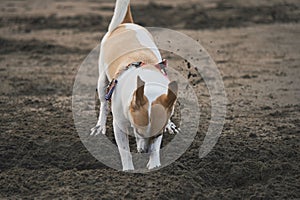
122 14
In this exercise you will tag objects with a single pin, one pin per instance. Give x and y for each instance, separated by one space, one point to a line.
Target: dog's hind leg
154 160
123 146
101 88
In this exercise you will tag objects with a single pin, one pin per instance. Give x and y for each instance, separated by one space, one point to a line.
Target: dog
132 76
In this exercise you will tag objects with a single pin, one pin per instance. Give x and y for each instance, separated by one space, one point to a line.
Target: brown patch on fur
161 109
159 118
168 100
128 18
122 48
139 105
140 115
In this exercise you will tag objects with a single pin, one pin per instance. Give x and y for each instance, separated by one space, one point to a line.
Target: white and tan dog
143 97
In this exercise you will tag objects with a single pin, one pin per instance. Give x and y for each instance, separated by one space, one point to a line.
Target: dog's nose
140 150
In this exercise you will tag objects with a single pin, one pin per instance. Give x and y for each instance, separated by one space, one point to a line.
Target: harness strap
110 89
162 67
112 85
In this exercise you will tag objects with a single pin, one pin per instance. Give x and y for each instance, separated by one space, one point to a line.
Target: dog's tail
122 14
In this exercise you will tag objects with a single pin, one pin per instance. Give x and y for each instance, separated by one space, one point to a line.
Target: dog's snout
140 150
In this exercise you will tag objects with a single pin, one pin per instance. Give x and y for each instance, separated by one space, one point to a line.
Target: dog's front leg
154 160
123 146
100 127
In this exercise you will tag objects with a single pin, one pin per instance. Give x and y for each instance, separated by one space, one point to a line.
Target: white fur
154 160
141 143
145 38
123 145
119 14
101 88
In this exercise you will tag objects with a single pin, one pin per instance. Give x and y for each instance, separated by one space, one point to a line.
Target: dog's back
126 42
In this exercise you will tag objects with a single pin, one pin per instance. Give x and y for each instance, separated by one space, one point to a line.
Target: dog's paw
128 166
126 169
98 129
152 165
172 128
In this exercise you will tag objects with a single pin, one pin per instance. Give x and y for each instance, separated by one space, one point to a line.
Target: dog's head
149 118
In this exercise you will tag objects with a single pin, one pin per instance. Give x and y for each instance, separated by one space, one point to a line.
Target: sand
256 48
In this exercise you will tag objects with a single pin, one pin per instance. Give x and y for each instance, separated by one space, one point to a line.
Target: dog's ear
172 94
140 98
139 105
168 100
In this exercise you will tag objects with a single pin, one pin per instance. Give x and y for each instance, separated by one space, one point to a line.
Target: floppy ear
140 99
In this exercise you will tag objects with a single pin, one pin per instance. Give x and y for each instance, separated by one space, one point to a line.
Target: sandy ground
257 49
